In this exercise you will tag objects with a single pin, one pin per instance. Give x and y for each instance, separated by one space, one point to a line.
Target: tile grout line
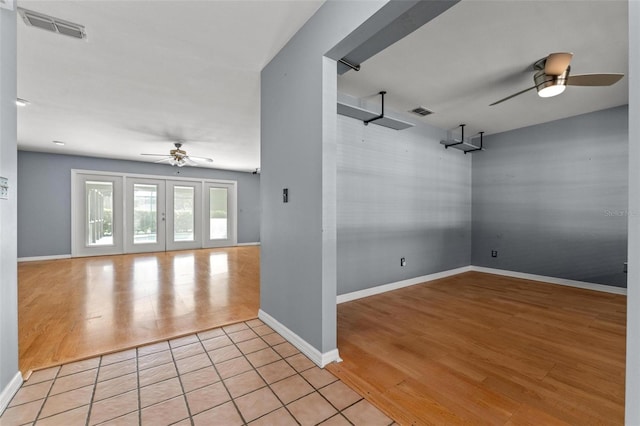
184 394
138 385
46 398
93 393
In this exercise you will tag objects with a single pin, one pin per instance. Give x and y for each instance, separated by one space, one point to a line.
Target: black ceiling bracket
478 148
461 138
349 64
366 122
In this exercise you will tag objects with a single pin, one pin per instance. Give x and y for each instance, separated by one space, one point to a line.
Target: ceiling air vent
422 111
50 23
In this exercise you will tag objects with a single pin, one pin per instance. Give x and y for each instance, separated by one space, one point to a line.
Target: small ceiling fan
178 157
552 77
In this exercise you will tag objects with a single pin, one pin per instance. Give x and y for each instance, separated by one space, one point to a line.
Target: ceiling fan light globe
551 90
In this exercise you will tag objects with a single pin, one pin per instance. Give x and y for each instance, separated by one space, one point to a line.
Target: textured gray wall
8 218
552 199
400 194
44 205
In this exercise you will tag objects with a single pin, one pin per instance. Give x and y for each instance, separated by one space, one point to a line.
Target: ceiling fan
178 157
552 77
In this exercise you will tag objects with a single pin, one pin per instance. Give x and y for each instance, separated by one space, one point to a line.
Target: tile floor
242 374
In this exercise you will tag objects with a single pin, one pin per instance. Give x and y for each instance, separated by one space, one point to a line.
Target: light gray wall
400 194
632 408
44 205
552 199
8 209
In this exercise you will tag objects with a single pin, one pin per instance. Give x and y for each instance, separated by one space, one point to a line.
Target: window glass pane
145 213
218 214
99 220
183 212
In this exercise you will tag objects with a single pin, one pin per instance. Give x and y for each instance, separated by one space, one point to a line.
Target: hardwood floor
485 349
78 308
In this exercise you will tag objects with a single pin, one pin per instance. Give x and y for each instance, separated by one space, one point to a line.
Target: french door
116 214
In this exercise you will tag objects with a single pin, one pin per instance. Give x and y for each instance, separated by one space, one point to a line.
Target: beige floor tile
182 341
165 413
286 349
292 388
280 417
113 407
131 419
311 410
21 414
31 393
340 395
156 347
363 413
74 381
273 339
157 374
193 363
187 350
252 345
222 415
318 377
300 362
78 366
42 376
77 416
116 386
217 343
233 367
199 378
276 371
241 336
254 323
224 354
154 359
263 330
117 369
257 404
263 357
185 422
118 356
66 401
210 334
244 383
337 420
235 327
159 392
207 397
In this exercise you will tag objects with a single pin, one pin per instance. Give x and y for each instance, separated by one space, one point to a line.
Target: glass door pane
184 215
218 211
99 213
145 215
220 199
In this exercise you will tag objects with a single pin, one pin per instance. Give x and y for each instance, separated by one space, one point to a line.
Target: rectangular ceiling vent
49 23
422 111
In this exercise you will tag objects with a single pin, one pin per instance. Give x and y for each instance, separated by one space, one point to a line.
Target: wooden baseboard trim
38 258
9 391
552 280
319 358
342 298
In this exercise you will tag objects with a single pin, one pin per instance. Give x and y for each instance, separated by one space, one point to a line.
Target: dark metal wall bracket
476 149
462 145
366 122
461 138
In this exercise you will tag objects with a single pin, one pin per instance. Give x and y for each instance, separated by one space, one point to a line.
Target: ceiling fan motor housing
543 80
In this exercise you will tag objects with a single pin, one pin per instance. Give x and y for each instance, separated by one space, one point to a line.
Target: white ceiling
154 71
478 52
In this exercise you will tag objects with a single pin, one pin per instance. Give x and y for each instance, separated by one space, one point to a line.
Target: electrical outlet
403 261
494 253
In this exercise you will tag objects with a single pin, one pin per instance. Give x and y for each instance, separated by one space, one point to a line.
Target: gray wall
8 218
400 194
44 204
552 199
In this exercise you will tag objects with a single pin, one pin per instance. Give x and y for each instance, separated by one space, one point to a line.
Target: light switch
285 195
4 188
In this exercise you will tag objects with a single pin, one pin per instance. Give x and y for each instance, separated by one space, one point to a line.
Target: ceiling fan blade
512 96
208 160
557 63
164 160
189 161
157 155
594 79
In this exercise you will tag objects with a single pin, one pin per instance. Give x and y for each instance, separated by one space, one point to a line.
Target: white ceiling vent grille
421 111
52 24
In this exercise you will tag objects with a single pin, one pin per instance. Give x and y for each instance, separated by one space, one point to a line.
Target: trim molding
347 297
256 243
9 391
552 280
38 258
320 359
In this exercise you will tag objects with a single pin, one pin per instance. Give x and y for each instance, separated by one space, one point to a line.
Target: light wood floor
77 308
485 349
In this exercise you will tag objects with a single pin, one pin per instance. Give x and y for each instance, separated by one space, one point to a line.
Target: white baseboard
552 280
9 391
320 359
347 297
257 243
37 258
